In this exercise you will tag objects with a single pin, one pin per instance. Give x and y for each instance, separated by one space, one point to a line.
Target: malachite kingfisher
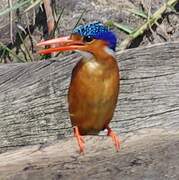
95 80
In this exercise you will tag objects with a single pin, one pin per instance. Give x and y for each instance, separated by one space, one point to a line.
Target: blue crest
97 30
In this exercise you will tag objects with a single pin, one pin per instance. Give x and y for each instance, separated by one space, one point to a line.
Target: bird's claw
80 139
115 138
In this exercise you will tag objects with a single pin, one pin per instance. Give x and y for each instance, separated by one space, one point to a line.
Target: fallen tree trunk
33 110
33 102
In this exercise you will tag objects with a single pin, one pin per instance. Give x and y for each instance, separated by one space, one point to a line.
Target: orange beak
64 44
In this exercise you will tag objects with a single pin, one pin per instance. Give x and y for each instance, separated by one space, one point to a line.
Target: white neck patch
88 55
109 51
85 54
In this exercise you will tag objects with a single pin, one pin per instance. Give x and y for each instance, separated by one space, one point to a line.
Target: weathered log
149 155
33 102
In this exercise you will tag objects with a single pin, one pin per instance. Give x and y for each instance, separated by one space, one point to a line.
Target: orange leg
114 137
79 138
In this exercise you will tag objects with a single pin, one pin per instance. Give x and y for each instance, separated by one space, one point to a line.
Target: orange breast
93 95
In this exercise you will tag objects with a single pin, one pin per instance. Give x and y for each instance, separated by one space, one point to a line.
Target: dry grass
24 36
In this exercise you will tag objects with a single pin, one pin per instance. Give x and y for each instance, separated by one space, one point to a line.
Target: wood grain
33 101
150 155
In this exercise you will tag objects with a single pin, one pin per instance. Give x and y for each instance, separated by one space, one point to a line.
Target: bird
95 80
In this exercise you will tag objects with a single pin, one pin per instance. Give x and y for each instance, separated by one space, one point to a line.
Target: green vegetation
26 50
150 21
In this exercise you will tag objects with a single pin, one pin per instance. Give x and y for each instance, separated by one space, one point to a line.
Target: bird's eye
87 39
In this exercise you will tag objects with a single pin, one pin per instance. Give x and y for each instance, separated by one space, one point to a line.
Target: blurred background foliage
137 23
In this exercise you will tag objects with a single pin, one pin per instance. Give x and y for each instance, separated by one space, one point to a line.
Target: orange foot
80 139
114 137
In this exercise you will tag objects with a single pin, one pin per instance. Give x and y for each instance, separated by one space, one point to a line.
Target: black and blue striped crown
97 30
